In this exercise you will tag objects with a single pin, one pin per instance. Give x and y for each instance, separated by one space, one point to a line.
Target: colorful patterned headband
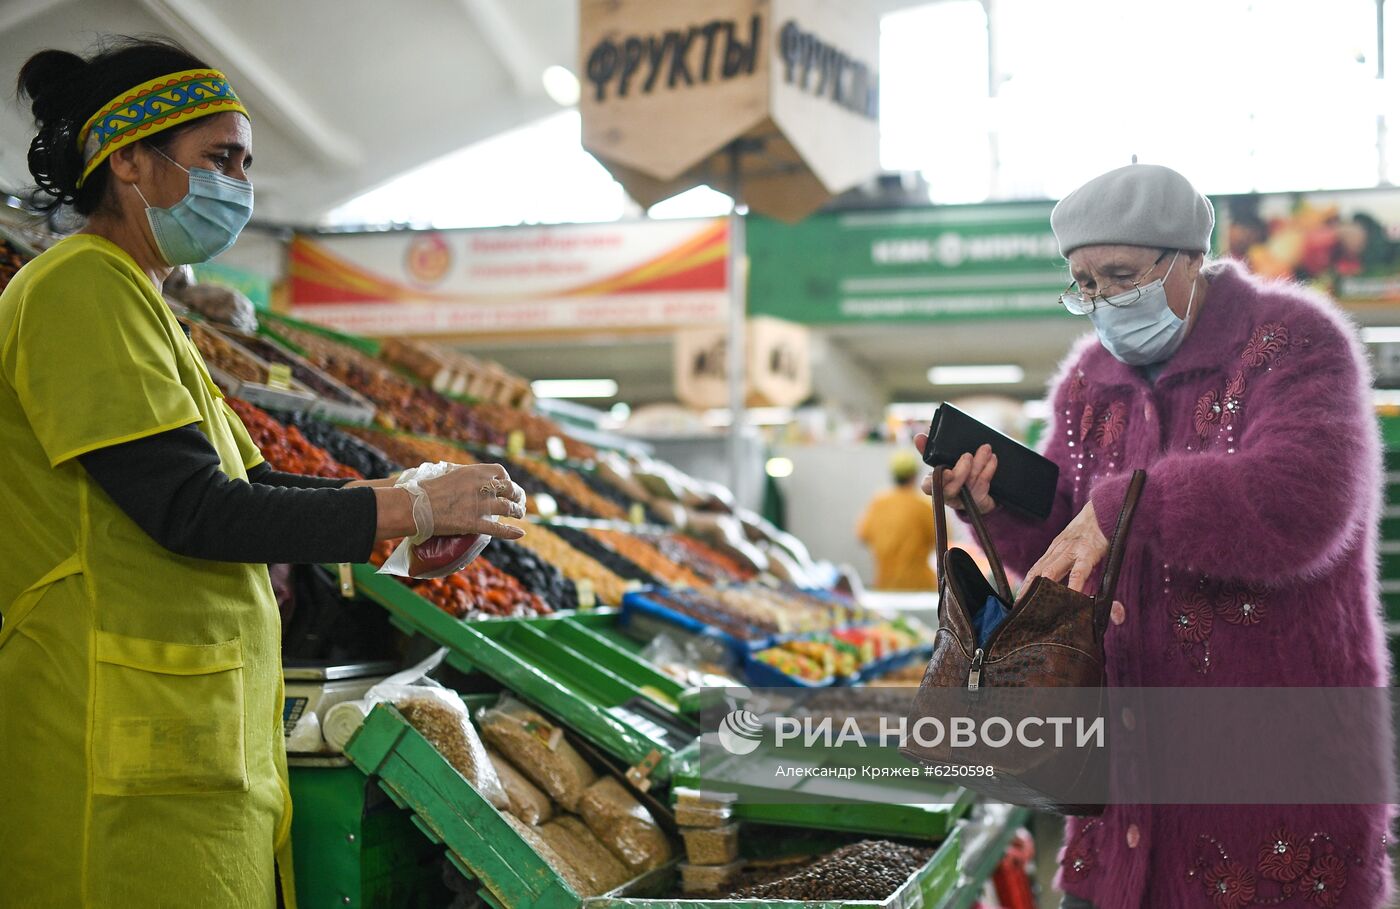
152 107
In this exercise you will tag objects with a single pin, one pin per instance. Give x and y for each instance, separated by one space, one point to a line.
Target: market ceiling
345 94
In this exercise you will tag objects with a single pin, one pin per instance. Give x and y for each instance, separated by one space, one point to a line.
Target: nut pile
868 870
610 558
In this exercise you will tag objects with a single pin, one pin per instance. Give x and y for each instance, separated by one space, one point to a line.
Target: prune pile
534 573
868 870
605 555
342 446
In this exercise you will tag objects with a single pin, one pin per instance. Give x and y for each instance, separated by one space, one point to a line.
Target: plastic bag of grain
624 825
527 802
450 730
441 717
598 867
553 859
538 749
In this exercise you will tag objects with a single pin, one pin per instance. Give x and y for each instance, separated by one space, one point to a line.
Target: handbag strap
1103 601
940 523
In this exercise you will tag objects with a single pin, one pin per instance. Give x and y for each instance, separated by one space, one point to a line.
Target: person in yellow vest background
898 530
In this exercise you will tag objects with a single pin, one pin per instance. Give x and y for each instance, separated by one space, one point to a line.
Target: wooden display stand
777 98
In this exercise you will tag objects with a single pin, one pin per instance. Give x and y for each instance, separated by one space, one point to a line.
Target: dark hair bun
65 90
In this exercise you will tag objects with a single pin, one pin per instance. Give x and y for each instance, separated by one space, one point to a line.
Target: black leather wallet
1025 480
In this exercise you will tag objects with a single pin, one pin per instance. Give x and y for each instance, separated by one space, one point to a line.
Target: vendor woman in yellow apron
141 753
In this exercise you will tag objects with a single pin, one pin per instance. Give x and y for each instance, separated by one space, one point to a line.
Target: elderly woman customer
1248 404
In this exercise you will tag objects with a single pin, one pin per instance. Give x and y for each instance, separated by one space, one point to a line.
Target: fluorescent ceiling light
755 416
907 413
779 467
1381 334
561 85
574 388
1007 374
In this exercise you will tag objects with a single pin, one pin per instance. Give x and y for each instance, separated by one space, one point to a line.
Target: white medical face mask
1138 327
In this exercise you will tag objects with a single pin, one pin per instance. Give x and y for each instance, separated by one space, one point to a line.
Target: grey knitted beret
1137 205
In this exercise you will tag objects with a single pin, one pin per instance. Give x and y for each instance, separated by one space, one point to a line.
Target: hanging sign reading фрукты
669 86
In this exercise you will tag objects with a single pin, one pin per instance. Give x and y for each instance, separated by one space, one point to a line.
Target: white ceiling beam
513 48
17 12
266 93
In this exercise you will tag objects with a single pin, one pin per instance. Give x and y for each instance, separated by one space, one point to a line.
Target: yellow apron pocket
167 718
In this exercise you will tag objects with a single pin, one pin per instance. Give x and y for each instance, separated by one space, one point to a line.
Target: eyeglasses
1125 294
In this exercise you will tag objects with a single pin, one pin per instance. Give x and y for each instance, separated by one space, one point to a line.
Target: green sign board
907 265
251 284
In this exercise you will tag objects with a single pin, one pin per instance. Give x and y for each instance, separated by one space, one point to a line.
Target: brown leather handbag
1051 640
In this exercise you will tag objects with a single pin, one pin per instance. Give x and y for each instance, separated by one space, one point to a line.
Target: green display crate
479 841
562 665
486 848
352 847
882 807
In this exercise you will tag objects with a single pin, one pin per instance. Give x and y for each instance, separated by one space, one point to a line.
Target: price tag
633 586
546 507
554 447
586 599
637 514
279 375
347 580
515 443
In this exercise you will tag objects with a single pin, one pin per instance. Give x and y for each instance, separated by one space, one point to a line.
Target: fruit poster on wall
629 274
1345 243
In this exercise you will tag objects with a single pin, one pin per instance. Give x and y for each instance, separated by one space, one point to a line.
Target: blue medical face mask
204 223
1140 329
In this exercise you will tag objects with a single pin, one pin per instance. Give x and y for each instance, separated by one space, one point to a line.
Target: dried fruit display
301 371
342 446
793 664
646 556
606 555
568 483
574 565
704 607
401 403
478 591
285 448
537 575
535 487
410 451
596 482
219 352
711 564
537 430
